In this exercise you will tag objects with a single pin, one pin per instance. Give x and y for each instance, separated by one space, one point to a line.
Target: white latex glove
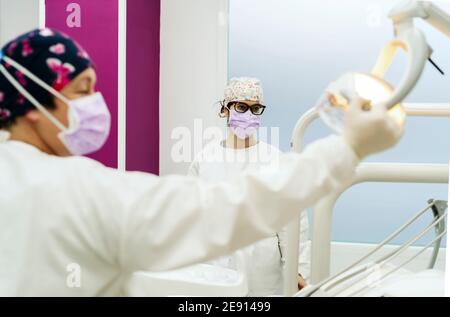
370 131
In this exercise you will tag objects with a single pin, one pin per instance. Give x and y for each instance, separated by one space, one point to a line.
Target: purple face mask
244 125
89 125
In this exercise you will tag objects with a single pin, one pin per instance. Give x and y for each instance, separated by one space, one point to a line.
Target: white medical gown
263 260
70 220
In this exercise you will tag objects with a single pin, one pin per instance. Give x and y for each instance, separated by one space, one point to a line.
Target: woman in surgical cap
220 160
70 226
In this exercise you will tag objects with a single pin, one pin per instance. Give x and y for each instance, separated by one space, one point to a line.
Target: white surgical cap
244 88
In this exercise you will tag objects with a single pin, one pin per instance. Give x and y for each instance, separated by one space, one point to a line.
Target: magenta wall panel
143 47
97 32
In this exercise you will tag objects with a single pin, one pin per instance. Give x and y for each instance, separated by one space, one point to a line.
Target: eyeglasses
242 107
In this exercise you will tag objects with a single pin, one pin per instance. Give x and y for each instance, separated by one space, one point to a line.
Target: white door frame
194 71
122 86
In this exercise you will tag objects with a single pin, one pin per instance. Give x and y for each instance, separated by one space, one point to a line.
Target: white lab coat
62 218
263 260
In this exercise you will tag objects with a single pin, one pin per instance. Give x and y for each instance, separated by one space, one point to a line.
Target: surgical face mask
244 125
89 125
89 118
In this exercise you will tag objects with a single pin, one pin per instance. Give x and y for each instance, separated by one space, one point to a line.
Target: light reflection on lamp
334 103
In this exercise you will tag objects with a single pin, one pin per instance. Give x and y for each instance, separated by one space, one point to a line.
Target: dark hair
48 103
222 108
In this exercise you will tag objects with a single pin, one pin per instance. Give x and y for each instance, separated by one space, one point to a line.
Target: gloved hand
370 131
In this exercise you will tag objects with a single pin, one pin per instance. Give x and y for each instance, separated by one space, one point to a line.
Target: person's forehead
88 75
249 102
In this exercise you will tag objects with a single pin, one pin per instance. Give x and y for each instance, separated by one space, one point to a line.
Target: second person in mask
241 151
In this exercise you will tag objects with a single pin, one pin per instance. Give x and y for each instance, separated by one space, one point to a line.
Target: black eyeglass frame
248 107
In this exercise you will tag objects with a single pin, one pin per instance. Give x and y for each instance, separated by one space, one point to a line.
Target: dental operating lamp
373 87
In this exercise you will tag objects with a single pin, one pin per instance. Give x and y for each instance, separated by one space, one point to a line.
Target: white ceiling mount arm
426 10
407 11
412 41
437 17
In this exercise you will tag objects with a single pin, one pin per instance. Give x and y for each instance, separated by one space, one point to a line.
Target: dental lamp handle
418 51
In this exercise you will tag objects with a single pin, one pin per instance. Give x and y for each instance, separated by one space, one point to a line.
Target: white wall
19 16
194 63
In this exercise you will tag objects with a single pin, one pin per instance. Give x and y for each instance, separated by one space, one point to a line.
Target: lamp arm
418 51
425 10
437 17
412 41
